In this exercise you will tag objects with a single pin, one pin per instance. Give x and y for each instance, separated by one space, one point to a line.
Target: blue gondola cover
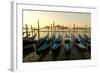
80 45
68 46
43 47
55 46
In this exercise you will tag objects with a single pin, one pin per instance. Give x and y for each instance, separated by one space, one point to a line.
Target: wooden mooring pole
32 30
51 29
74 29
69 30
38 30
62 31
54 27
26 27
48 31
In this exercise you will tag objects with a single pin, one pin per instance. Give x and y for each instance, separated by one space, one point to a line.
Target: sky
62 18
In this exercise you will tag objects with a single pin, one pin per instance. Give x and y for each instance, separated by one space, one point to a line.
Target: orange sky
61 18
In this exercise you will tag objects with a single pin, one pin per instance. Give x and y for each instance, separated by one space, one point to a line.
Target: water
44 32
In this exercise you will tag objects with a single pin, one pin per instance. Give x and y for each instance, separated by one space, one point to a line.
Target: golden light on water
62 18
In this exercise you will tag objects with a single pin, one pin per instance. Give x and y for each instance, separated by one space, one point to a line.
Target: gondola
52 39
45 47
28 49
81 38
28 45
43 50
79 43
41 41
73 38
67 44
87 42
66 35
27 41
26 37
33 37
56 46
